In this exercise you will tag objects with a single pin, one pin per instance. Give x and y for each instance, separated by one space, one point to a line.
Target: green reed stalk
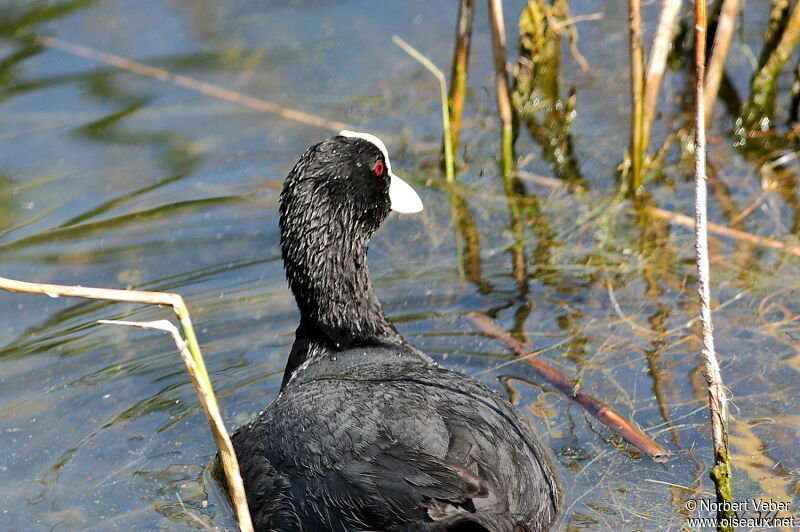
458 76
637 97
448 145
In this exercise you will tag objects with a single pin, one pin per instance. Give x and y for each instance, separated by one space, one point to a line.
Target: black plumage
368 433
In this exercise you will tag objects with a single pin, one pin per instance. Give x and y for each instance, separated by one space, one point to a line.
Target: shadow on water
114 180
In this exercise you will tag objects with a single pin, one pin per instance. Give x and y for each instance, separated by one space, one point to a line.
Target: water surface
109 178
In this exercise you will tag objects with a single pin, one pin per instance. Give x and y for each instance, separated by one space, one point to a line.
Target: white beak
402 197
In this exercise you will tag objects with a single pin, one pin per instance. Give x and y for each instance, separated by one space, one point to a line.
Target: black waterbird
368 433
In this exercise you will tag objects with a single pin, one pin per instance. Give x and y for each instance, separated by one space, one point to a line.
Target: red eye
379 168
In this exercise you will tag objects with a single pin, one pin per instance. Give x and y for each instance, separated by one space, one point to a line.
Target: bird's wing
391 484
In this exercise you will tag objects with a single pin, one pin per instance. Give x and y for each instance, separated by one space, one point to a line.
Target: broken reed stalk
717 400
571 389
458 75
501 85
427 63
719 53
657 64
637 97
194 364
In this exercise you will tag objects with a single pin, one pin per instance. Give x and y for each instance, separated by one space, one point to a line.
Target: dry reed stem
208 402
637 96
571 388
717 400
192 84
192 357
657 64
501 84
719 53
458 76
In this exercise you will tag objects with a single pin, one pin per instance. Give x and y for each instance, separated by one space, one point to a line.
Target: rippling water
110 178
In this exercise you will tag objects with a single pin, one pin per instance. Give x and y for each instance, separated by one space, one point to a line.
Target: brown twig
719 52
458 76
192 84
571 389
717 400
194 364
657 64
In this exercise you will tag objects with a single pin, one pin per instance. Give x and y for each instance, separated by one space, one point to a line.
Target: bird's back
378 439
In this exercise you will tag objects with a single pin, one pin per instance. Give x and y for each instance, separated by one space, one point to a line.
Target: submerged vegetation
539 104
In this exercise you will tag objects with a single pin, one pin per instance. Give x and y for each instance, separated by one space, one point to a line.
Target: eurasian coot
368 433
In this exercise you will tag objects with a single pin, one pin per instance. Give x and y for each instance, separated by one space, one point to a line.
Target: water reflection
468 240
540 105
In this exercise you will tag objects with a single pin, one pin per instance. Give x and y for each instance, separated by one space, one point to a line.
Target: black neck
329 278
328 274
